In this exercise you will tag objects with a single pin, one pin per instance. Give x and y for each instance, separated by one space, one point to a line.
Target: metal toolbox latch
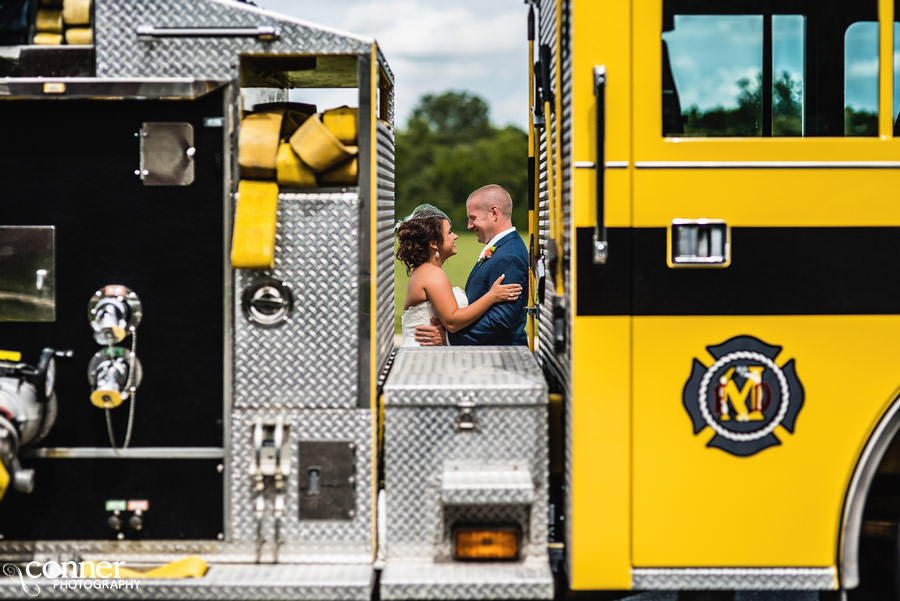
466 421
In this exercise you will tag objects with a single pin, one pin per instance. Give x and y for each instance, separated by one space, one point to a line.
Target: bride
425 242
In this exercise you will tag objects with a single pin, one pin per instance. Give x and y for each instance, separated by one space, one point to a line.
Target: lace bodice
421 315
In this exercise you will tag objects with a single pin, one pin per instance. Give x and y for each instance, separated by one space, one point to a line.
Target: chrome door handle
601 242
700 242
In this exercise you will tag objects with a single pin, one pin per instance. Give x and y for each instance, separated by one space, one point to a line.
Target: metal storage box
465 433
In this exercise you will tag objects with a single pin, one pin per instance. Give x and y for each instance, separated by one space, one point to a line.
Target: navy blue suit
504 323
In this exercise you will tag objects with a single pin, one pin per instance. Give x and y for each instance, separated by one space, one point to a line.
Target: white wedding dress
420 314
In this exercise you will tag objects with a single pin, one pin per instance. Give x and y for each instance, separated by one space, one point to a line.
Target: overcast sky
465 45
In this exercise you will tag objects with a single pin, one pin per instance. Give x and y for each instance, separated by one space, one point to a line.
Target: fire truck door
762 153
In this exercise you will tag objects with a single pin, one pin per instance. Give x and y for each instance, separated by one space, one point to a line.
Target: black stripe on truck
773 271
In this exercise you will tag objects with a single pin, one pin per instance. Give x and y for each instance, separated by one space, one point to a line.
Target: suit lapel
479 263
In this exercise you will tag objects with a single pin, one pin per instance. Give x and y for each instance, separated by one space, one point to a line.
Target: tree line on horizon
449 148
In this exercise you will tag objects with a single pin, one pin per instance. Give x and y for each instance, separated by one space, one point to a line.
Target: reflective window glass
861 79
769 68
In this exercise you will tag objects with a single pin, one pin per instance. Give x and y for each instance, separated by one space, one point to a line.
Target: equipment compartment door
764 281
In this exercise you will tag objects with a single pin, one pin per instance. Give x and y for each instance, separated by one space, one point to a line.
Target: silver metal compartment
464 442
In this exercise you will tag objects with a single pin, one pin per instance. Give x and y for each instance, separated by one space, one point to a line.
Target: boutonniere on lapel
487 254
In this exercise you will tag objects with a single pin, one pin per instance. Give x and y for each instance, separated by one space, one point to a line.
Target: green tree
745 119
449 148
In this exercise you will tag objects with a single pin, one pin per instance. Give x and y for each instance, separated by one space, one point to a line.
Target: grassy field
457 268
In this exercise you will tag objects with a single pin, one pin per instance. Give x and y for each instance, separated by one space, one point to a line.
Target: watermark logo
69 575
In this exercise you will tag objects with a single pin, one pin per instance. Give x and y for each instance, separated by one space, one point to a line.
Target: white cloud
414 28
863 68
468 45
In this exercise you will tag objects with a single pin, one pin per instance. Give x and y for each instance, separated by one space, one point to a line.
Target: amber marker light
486 543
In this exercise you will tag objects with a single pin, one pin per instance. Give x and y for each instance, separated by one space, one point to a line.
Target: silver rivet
220 536
220 468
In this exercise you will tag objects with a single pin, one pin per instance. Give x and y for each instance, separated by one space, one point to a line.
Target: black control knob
114 522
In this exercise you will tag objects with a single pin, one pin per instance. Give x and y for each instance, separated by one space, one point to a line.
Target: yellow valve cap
106 399
291 170
486 543
342 122
4 480
255 220
318 147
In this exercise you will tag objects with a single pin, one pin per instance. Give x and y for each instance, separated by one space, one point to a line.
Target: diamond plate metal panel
225 582
446 376
421 440
481 484
314 540
530 579
311 361
384 245
764 579
121 53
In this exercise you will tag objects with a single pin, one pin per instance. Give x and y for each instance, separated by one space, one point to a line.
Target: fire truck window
788 41
750 68
861 79
715 62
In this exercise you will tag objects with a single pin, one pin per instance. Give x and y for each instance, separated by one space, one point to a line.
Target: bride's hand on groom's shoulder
432 335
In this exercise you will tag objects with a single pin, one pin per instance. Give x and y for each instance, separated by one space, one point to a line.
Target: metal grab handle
263 32
601 243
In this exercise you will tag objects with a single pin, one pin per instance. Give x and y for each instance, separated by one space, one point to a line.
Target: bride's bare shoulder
427 273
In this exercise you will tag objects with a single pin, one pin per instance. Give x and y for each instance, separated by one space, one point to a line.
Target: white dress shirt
494 241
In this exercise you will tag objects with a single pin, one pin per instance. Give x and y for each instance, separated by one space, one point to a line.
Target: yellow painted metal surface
374 72
768 197
886 67
599 550
600 545
699 506
648 492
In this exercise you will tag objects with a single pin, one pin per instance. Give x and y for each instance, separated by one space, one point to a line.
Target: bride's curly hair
415 235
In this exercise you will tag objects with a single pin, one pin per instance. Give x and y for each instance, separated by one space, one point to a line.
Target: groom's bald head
489 211
493 195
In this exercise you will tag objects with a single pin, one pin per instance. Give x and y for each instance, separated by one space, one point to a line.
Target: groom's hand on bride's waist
433 335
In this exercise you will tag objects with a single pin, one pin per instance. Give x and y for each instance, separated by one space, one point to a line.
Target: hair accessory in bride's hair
423 211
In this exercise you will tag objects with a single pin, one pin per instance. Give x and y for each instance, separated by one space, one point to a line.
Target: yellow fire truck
717 208
201 238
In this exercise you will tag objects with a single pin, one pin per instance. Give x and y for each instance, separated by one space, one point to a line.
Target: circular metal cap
267 302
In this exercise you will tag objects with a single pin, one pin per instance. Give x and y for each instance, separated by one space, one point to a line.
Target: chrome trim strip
767 164
130 453
858 491
263 32
734 578
97 88
365 277
592 164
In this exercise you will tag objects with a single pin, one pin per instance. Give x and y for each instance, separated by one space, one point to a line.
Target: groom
489 211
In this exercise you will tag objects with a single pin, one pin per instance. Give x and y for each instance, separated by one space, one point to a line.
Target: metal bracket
271 469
